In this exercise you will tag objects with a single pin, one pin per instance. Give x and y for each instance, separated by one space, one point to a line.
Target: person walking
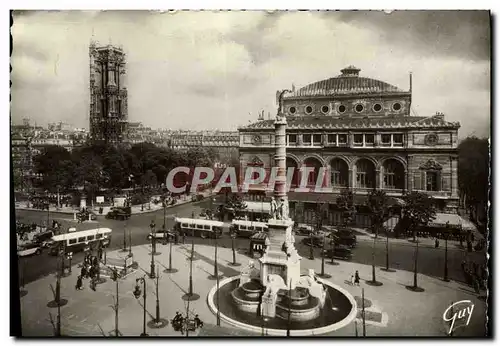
352 280
356 278
79 283
83 272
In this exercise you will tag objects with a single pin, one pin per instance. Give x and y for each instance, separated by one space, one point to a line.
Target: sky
218 70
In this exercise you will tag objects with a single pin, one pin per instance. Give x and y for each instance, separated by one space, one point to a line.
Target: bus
80 241
246 229
198 227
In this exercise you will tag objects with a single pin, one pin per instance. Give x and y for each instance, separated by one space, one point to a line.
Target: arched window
339 173
313 176
295 178
365 174
393 174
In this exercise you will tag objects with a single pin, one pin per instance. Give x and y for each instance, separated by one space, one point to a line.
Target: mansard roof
348 123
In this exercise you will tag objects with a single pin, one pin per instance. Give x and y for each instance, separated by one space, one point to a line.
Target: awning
258 207
325 197
454 221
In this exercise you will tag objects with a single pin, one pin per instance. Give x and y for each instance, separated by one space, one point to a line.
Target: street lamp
48 208
445 278
153 250
170 270
233 247
191 295
323 274
311 250
130 243
137 295
69 256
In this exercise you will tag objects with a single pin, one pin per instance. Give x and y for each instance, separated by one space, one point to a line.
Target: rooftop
348 82
328 122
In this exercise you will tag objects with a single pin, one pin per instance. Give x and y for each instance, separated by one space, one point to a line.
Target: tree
473 173
56 167
235 205
345 202
378 203
418 211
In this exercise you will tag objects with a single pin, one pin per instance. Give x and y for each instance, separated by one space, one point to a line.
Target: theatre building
363 133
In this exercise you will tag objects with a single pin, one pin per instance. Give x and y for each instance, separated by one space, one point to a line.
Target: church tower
108 95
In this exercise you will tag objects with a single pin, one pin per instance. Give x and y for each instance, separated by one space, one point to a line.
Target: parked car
339 251
84 215
44 239
28 250
345 236
119 213
167 235
303 229
317 241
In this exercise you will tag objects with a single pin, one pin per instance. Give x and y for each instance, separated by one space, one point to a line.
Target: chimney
439 115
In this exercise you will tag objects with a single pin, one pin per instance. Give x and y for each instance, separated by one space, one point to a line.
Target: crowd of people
179 323
475 275
90 270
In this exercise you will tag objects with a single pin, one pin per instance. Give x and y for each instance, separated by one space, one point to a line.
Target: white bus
246 229
199 227
80 241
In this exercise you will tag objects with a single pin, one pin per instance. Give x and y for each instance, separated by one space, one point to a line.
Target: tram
246 229
199 227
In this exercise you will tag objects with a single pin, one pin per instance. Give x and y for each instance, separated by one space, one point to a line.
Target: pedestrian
198 321
91 272
436 243
356 278
79 283
83 272
352 280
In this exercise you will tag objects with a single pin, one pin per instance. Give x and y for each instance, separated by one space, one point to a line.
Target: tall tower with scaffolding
108 95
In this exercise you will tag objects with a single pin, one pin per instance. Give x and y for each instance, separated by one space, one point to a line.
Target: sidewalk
135 209
425 242
392 310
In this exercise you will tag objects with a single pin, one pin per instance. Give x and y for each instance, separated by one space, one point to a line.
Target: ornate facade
362 133
108 95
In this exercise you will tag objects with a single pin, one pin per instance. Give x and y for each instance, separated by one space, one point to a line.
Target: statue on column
274 208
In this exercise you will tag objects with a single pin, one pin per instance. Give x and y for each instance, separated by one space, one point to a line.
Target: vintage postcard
250 173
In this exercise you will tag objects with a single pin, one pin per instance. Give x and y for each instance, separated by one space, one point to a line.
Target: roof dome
347 83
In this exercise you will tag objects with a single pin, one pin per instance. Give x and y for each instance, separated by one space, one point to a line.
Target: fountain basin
339 310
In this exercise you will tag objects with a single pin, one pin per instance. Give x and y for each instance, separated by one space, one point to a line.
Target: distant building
28 141
108 95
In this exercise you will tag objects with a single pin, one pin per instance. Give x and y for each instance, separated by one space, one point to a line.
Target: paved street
36 266
392 310
431 260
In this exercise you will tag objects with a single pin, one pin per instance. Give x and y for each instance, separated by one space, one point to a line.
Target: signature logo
458 312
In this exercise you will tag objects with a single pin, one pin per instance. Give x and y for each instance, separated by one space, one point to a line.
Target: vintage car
345 236
44 239
161 234
28 250
84 215
303 229
339 251
119 213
